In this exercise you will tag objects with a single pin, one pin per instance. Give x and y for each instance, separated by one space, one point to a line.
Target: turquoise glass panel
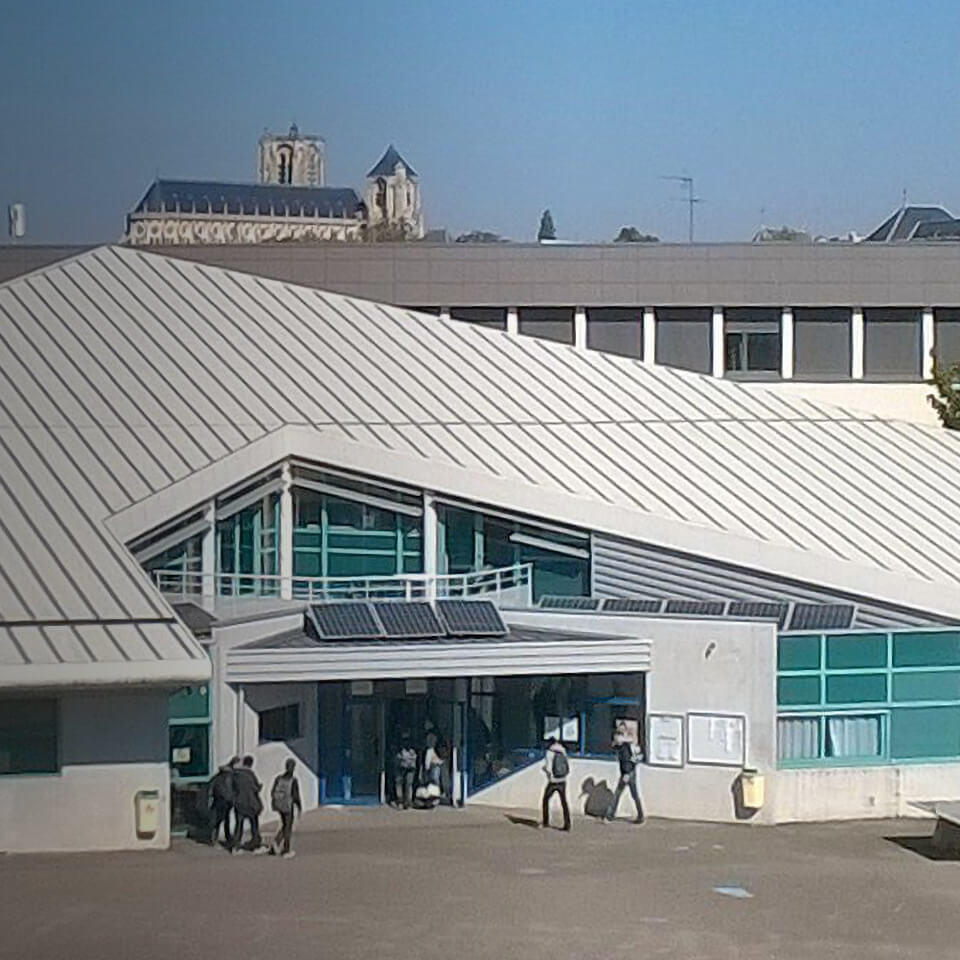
857 688
924 732
190 750
361 565
798 691
190 703
798 653
942 685
927 649
856 650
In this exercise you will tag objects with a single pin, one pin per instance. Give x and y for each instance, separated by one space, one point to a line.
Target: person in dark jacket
222 796
285 800
628 756
248 805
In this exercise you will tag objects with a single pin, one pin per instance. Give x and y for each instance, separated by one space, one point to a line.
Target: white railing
513 584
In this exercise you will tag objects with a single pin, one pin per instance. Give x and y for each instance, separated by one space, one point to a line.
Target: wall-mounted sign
361 688
716 738
665 740
180 755
415 686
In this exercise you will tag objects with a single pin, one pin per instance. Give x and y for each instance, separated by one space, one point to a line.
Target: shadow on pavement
923 846
523 821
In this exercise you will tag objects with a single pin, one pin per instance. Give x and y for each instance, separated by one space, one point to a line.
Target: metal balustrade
514 583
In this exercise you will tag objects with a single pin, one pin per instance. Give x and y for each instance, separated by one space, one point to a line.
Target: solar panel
414 619
475 618
822 616
345 621
766 609
696 608
570 603
631 605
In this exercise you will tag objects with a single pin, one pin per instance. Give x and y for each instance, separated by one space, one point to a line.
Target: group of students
234 795
556 766
427 788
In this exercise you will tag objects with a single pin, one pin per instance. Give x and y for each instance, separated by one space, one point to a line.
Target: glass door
363 750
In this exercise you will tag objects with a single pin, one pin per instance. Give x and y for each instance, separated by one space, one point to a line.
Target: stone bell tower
393 196
292 159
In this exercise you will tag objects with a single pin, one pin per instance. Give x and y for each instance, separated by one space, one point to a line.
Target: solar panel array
404 620
475 618
805 616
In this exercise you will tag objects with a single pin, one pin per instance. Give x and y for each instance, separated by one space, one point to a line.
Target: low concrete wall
111 746
853 793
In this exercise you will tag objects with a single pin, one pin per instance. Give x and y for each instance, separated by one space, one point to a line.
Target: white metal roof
133 386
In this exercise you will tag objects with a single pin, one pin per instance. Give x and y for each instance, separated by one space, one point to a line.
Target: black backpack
560 766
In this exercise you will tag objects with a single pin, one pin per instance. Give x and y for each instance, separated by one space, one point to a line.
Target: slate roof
134 386
388 163
250 199
912 222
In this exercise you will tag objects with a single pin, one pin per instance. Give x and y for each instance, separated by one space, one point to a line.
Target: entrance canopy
297 655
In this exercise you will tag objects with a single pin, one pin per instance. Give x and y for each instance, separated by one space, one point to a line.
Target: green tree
946 401
547 230
633 235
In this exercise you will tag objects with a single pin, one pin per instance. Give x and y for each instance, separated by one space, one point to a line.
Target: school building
240 515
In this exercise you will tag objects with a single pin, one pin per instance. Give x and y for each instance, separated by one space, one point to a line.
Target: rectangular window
29 741
190 750
684 338
857 688
849 651
249 549
946 333
752 342
493 317
821 343
926 649
798 653
891 340
798 738
925 733
826 738
547 323
280 723
616 330
853 737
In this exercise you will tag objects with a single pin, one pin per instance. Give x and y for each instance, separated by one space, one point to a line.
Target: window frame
286 710
57 737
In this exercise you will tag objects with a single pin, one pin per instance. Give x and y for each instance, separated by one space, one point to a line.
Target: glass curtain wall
335 536
471 542
248 548
183 565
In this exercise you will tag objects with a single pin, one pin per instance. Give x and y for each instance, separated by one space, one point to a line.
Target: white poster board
716 738
665 740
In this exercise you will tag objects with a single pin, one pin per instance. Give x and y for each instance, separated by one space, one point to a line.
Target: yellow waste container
752 787
147 804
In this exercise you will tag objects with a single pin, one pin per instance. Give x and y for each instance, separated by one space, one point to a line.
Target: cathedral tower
393 196
294 159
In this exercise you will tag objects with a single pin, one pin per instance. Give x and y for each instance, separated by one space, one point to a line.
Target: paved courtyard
479 883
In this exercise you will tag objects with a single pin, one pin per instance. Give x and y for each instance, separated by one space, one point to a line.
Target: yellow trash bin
752 787
147 805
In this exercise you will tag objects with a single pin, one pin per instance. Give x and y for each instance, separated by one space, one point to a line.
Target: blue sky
816 114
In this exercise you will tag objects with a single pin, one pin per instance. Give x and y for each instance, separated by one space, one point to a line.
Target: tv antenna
690 199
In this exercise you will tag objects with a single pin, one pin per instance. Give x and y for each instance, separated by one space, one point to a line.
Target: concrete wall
233 736
111 746
847 793
726 667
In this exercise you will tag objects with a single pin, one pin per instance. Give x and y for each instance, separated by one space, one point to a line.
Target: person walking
406 766
285 800
628 757
556 766
222 796
248 805
432 771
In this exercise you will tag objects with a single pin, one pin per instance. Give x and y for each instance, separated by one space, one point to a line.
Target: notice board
716 738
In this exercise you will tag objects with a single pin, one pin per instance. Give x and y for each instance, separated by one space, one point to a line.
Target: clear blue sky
809 112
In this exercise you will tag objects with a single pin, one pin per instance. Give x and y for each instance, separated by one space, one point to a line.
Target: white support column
856 344
927 341
649 335
786 343
430 544
513 321
241 718
286 533
208 551
716 341
580 328
444 313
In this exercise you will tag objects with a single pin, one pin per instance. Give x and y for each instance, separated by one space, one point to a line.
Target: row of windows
752 337
868 697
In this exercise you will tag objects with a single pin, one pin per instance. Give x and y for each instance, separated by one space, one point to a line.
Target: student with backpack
557 768
285 800
406 769
222 796
248 805
628 758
